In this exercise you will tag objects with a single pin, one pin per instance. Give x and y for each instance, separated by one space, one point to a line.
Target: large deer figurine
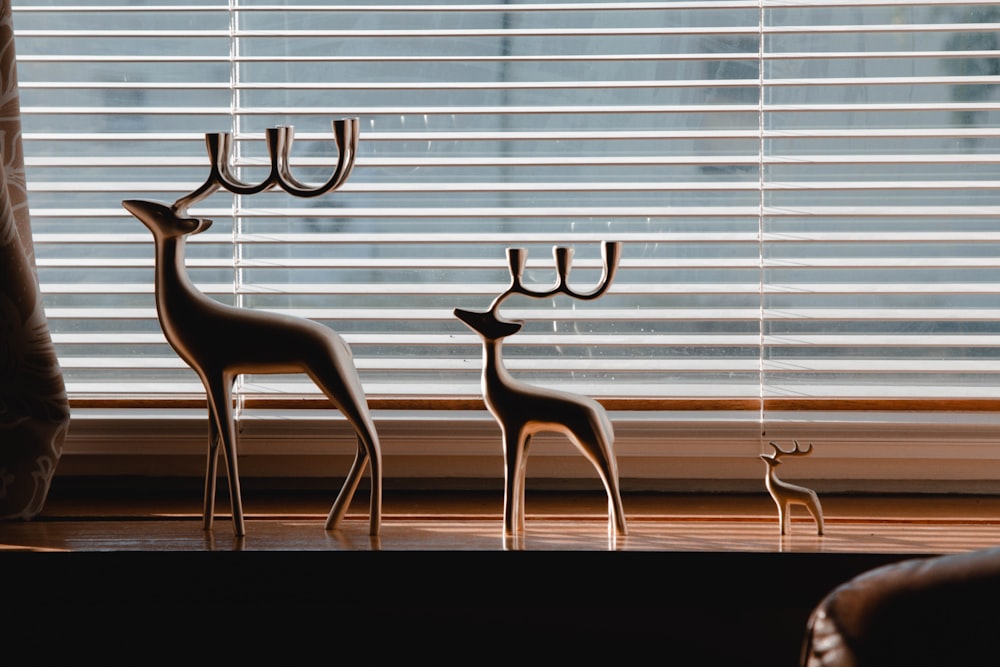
220 342
784 494
522 410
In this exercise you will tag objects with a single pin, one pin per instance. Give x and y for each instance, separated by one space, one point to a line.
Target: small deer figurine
784 494
522 410
220 342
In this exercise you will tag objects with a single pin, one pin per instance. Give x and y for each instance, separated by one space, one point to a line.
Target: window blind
805 191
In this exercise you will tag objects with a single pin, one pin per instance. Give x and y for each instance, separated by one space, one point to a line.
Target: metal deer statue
784 494
522 410
220 342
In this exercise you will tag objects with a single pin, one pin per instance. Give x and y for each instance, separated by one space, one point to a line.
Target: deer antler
279 146
345 134
516 258
795 451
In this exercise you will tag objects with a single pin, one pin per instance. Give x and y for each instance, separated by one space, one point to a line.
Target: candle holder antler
518 257
220 342
522 410
279 146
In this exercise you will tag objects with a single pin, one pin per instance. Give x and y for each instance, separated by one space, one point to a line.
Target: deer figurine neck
500 388
493 367
492 331
771 482
175 292
171 268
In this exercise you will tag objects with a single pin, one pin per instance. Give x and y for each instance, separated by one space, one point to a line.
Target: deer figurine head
489 324
162 220
523 410
774 458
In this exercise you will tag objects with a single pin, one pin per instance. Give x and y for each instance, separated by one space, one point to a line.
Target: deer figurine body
784 494
220 342
523 410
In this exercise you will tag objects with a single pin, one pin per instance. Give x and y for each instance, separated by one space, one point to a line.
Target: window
806 193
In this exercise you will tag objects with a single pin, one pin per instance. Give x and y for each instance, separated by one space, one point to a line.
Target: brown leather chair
939 610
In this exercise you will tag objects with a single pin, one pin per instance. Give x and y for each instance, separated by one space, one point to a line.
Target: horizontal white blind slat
693 340
856 29
444 212
435 7
518 85
455 237
415 85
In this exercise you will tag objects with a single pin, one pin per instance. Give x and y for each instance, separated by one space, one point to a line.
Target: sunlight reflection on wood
481 535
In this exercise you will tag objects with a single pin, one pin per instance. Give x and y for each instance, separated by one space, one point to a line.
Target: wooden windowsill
472 520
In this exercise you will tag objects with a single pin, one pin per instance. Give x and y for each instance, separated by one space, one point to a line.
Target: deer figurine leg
784 516
343 501
522 484
608 471
515 460
817 513
598 452
367 452
211 472
340 382
220 407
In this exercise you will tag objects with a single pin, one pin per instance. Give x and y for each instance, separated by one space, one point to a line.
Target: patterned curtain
34 410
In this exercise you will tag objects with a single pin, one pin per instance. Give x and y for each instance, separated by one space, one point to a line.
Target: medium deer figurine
784 494
522 410
220 342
